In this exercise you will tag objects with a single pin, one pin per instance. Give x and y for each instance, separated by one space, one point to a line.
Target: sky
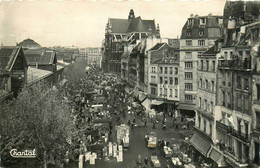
82 22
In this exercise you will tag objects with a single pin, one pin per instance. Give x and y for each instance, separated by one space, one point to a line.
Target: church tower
131 15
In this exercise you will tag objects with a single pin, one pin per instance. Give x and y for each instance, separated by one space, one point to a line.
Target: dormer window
203 21
189 21
188 33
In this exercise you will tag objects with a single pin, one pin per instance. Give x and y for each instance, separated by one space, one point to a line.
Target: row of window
206 84
201 33
200 43
204 126
165 70
164 92
245 83
209 66
202 21
188 97
206 105
241 101
188 75
188 65
165 80
242 125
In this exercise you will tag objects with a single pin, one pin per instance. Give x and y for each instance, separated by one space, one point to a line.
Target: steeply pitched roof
41 56
157 46
211 27
166 60
27 43
8 56
211 51
139 25
119 25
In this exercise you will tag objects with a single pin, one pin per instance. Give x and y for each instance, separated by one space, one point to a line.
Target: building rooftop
7 57
166 60
193 27
119 25
34 74
27 43
135 24
139 25
157 46
40 56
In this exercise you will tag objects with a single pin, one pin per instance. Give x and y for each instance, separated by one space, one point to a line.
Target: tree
74 73
38 119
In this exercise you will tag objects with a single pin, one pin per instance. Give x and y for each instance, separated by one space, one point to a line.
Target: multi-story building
94 56
122 33
163 78
255 51
198 34
83 53
138 63
207 111
236 86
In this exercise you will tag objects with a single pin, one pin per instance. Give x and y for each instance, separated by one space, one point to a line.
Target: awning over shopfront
217 157
141 97
186 107
235 163
156 102
200 144
146 103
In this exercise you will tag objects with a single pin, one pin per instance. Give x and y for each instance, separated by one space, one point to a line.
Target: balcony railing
222 126
201 26
256 133
226 63
230 130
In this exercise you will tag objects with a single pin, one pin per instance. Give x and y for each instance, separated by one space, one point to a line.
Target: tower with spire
131 15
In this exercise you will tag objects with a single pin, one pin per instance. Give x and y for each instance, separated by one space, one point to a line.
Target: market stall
123 132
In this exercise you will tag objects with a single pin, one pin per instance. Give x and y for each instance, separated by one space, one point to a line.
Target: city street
138 144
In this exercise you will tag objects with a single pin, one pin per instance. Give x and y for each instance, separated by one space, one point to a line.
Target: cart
155 162
152 140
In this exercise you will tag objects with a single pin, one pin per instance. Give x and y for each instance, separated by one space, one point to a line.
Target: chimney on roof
131 15
150 30
192 15
158 31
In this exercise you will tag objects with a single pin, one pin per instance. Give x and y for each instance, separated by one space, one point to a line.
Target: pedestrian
134 120
145 122
164 127
177 127
133 125
153 125
173 122
146 161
